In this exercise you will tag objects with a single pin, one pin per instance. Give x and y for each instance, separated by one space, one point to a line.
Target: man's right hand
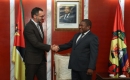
55 48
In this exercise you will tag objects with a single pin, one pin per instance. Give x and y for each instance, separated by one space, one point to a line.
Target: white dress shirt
82 36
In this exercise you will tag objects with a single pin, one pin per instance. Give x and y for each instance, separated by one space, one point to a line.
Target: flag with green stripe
118 58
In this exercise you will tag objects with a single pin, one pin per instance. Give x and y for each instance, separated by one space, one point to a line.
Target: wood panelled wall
101 13
127 24
4 40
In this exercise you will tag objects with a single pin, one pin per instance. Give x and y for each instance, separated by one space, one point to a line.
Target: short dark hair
35 11
88 22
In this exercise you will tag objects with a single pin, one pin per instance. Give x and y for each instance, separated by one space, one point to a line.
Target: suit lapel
82 40
36 29
76 39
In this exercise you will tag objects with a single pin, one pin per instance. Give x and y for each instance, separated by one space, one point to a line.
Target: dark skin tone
82 29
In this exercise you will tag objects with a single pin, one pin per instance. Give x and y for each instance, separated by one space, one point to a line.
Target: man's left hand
89 72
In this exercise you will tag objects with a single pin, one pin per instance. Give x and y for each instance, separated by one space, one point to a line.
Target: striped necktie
39 29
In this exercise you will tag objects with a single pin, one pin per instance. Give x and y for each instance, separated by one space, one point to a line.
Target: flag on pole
18 47
118 58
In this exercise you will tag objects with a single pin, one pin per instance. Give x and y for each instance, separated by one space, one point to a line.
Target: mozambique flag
18 47
118 59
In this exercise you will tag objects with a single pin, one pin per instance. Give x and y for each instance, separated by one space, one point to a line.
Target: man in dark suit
68 16
34 57
84 52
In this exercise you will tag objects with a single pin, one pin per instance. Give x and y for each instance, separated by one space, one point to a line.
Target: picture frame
68 14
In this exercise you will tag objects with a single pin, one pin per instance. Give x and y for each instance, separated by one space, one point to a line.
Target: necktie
80 38
39 29
65 16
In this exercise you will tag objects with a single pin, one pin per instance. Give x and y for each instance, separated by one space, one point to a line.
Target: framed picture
68 14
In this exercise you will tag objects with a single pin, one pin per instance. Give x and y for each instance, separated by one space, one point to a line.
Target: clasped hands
55 48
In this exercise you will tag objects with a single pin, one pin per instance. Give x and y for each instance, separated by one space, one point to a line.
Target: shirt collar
34 22
86 32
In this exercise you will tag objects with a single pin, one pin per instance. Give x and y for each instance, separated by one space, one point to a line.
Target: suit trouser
35 69
80 75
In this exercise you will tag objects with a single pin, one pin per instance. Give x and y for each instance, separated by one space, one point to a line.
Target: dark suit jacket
84 53
34 46
70 19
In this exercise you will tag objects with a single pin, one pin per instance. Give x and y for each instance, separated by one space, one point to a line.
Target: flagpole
122 4
119 62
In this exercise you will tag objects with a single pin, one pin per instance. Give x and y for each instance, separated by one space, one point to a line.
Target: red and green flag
118 59
19 46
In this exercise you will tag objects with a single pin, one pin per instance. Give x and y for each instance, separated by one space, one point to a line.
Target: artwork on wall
68 14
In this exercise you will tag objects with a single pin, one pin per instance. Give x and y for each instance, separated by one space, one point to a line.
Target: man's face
83 27
67 10
40 17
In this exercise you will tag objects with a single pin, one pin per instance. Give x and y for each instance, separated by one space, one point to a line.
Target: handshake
55 48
